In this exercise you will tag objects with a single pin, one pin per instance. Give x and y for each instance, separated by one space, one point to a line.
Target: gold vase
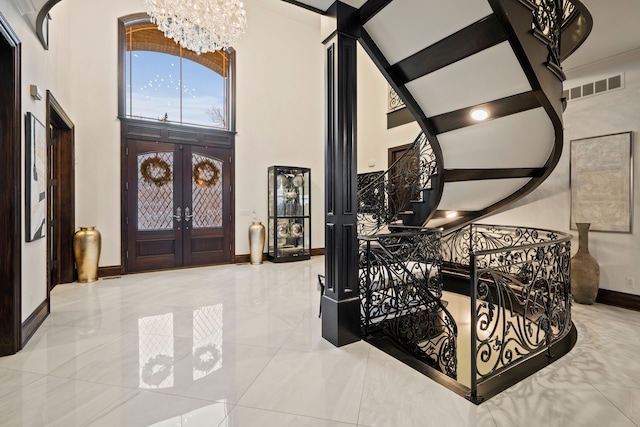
86 249
256 242
585 271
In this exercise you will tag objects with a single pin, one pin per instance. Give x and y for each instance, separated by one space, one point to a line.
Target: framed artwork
36 179
602 182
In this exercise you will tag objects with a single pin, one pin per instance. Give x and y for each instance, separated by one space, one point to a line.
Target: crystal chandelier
199 25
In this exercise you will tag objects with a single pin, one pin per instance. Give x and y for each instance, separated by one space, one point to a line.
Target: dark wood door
179 202
404 170
60 197
207 205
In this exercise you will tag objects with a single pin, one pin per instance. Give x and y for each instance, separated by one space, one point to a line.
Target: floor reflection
156 346
207 340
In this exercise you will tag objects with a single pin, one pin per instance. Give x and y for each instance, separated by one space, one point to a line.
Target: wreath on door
205 173
156 171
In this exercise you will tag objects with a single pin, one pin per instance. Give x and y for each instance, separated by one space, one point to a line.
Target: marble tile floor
240 345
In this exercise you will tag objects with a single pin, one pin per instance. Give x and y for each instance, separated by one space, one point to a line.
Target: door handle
178 215
187 214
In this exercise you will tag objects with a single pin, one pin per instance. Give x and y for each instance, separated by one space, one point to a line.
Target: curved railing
400 280
520 293
383 197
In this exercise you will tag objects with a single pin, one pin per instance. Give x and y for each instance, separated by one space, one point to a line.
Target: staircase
449 59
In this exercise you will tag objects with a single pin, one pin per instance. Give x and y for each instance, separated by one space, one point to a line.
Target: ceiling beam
475 38
499 108
460 175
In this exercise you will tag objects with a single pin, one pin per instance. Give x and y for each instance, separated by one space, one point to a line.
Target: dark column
10 183
341 302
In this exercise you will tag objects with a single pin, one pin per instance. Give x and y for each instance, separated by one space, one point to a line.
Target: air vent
595 88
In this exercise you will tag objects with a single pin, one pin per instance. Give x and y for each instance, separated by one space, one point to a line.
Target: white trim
602 64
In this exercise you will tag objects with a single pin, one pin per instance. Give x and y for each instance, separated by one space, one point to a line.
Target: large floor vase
256 242
585 271
86 249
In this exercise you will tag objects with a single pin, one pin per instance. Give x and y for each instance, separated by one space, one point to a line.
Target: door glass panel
155 191
206 187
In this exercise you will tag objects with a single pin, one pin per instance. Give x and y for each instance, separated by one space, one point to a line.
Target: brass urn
86 249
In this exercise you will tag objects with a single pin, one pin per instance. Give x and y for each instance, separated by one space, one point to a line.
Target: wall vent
594 88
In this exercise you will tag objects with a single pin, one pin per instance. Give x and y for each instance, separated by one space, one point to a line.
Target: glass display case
289 213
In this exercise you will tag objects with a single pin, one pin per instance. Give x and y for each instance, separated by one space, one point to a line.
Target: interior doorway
60 195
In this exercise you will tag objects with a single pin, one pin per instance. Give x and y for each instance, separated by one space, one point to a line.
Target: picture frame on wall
601 182
36 179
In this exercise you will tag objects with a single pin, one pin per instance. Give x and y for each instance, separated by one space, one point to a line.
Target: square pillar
341 301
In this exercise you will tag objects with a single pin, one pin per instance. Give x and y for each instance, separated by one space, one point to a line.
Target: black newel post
341 303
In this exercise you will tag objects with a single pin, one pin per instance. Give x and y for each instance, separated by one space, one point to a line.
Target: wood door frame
144 130
11 185
61 203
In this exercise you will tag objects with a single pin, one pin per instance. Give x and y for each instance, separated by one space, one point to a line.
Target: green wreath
205 168
156 171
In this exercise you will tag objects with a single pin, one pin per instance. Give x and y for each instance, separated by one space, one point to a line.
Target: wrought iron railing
400 282
549 19
520 293
382 197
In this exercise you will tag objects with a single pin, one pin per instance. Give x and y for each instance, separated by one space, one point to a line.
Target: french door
178 205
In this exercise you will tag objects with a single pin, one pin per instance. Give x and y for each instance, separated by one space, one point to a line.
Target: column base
340 321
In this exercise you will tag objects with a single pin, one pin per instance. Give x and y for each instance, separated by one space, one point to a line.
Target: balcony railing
519 292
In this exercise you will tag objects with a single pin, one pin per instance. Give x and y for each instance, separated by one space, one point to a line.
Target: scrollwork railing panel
520 292
523 304
458 245
400 286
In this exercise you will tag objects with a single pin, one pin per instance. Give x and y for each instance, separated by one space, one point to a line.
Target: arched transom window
167 83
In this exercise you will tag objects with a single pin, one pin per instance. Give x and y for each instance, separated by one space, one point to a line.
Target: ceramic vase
256 242
86 249
585 271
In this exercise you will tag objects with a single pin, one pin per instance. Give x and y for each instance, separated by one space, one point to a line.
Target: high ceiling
615 29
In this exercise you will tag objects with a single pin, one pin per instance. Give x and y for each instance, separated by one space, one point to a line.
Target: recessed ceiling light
452 214
479 114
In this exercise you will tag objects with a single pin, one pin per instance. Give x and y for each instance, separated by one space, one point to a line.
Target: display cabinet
289 213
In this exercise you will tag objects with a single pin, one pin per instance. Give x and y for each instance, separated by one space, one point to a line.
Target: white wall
549 205
374 138
280 88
